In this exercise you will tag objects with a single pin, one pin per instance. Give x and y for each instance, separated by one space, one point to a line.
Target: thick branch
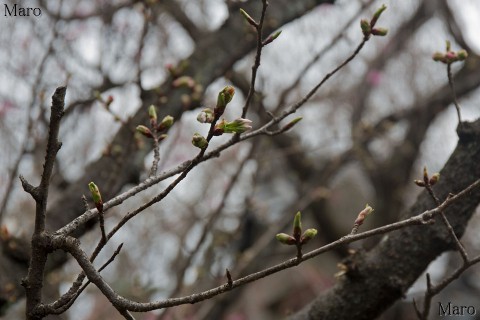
390 268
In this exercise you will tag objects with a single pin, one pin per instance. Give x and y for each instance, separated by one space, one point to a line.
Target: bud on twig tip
199 141
144 131
247 17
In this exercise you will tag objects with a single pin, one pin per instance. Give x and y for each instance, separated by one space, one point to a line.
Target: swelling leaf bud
96 196
271 37
290 125
285 239
247 17
308 235
377 15
434 179
145 131
297 226
381 32
166 123
366 29
152 113
199 141
224 97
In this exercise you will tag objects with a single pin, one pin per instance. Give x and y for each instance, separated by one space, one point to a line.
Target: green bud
290 125
247 17
462 55
239 125
366 29
272 37
199 141
381 32
285 239
96 196
297 225
145 131
152 113
377 15
224 97
308 235
166 123
448 45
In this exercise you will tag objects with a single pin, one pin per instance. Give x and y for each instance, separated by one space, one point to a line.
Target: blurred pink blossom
374 77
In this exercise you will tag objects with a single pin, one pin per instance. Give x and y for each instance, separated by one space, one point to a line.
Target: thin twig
256 65
454 93
72 246
185 167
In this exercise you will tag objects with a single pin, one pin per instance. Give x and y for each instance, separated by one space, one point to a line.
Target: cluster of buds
450 56
368 27
239 125
159 127
96 196
297 238
208 115
427 181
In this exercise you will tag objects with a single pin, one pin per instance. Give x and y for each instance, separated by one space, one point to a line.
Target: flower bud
199 141
297 225
145 131
308 235
434 179
224 97
379 32
152 113
206 116
363 214
166 123
96 196
285 238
